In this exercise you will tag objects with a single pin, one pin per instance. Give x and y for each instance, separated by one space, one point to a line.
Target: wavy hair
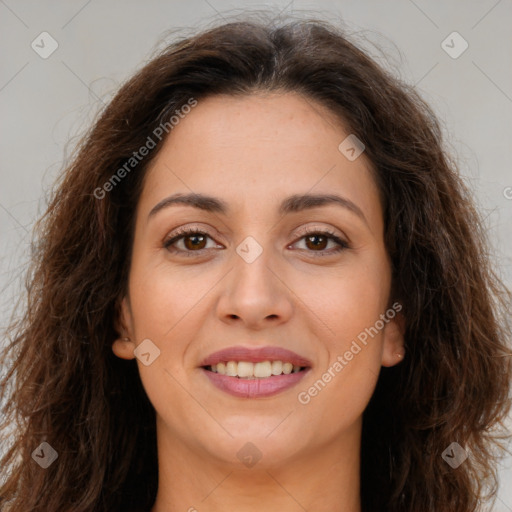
65 386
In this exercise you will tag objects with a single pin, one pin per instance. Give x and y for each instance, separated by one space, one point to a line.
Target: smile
254 372
248 370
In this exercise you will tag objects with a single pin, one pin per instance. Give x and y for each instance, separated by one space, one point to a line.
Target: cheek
163 298
168 308
349 304
345 301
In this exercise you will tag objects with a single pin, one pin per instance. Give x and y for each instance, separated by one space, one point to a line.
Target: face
263 268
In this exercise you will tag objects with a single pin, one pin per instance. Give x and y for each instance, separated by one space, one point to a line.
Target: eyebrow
292 204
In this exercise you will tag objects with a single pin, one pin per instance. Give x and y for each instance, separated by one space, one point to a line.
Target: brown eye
197 241
321 243
190 242
316 241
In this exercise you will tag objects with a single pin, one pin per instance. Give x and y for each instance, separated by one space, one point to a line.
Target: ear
124 345
393 351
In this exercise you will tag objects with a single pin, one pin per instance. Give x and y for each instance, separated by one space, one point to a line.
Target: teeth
277 367
232 368
263 369
247 370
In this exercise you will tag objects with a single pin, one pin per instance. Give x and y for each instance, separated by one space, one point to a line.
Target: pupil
192 241
317 244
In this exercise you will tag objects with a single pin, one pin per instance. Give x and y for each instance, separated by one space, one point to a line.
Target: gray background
46 104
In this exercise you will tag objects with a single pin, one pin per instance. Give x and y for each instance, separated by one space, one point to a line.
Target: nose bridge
252 278
252 292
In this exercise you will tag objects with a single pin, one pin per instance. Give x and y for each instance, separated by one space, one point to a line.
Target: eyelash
183 233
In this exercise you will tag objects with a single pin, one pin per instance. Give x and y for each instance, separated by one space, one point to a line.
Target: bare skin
252 152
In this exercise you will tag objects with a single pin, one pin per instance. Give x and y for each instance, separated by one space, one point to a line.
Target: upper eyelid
183 231
305 231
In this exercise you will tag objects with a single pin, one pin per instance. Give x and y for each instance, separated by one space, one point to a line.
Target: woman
260 285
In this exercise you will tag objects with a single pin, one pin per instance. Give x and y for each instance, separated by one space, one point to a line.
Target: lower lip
257 387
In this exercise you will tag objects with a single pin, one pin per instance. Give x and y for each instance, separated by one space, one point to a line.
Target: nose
255 295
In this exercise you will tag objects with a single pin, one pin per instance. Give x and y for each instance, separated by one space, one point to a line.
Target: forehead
254 149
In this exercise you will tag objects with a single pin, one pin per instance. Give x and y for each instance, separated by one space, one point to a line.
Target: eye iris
316 244
195 244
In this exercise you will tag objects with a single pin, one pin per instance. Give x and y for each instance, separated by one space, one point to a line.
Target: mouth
255 372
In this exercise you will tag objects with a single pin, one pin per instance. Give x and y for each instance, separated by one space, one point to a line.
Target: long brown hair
64 385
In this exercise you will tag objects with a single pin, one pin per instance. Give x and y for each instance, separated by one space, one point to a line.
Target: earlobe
393 350
123 348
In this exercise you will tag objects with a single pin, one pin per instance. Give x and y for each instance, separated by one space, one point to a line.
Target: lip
255 355
257 387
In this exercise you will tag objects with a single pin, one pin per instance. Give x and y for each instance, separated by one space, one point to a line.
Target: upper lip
255 355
